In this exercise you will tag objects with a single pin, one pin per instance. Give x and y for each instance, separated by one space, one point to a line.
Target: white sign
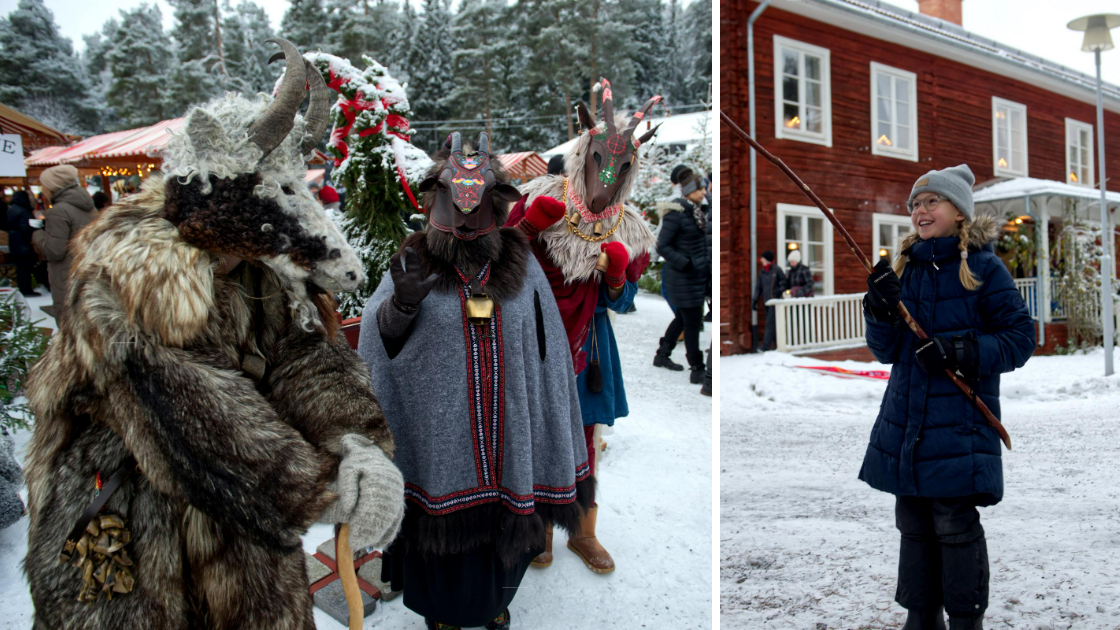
11 156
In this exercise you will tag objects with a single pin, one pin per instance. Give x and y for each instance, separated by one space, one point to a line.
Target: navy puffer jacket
688 261
929 439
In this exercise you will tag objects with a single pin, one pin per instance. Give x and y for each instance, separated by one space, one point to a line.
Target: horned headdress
235 185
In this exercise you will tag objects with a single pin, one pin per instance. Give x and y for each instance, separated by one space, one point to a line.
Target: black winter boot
696 365
966 623
925 619
662 360
433 625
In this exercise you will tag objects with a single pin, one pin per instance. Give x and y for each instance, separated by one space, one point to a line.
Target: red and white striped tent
524 166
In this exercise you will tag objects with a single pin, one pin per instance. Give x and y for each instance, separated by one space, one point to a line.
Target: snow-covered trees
39 72
139 62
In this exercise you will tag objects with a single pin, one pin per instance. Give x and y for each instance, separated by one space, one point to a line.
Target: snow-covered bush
21 345
1079 286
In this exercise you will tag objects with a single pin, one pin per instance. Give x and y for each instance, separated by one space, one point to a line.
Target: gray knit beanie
954 184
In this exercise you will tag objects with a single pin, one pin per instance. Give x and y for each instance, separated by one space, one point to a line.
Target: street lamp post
1098 39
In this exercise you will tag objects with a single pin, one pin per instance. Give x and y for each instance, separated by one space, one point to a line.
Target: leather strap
98 502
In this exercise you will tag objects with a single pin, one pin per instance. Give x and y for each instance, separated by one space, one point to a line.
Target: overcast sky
1034 26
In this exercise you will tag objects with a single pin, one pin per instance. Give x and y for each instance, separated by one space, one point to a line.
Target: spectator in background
101 200
800 277
683 244
71 211
19 218
328 196
314 187
771 283
556 165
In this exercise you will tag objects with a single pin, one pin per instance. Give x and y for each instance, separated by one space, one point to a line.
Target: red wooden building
868 98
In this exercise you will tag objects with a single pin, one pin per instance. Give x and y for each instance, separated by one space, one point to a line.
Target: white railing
1028 288
818 322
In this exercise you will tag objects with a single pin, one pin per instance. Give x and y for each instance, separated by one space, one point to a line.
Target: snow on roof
680 129
77 152
145 142
1021 187
950 33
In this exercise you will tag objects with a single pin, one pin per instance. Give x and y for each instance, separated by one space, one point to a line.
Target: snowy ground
655 513
805 544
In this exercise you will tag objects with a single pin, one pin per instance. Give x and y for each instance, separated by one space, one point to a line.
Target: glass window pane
883 135
883 85
1073 154
1017 160
793 229
813 67
886 235
790 90
1086 176
789 62
813 114
1001 141
902 90
812 93
884 109
790 116
903 111
816 230
1016 142
1016 120
1086 138
1084 156
903 141
816 257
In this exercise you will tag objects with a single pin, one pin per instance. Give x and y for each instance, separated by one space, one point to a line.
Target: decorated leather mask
464 205
612 151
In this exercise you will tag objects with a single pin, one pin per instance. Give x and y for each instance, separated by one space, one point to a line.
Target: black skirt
468 589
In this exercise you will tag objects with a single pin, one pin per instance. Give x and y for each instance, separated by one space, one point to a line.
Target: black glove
884 292
938 354
409 287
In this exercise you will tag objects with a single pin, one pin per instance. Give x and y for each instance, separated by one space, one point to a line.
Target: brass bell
598 230
573 219
601 264
480 308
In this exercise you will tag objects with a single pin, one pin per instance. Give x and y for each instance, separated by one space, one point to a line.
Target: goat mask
463 205
612 151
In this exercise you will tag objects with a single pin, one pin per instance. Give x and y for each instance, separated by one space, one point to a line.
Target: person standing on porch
771 283
930 446
800 279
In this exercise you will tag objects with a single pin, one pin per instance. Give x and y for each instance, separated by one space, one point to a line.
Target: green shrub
21 345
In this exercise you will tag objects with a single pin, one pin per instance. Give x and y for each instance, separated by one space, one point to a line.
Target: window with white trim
806 229
802 92
889 230
1009 137
894 112
1079 153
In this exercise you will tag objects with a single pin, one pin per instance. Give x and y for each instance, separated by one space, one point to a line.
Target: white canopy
1021 187
686 129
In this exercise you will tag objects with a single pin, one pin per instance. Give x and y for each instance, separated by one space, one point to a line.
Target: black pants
690 319
26 266
769 340
944 557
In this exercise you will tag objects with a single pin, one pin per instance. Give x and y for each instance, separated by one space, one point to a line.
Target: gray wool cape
524 455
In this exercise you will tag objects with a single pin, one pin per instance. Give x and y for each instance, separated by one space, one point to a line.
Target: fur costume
231 392
486 418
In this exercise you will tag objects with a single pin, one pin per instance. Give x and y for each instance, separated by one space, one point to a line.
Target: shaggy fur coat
153 361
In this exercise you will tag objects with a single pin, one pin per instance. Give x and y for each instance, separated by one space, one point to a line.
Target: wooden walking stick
905 314
344 556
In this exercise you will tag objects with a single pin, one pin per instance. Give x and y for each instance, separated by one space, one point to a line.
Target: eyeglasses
929 202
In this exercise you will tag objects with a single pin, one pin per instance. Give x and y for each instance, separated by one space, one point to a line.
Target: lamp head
1096 27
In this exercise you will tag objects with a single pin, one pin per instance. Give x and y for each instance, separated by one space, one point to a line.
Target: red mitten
541 215
617 259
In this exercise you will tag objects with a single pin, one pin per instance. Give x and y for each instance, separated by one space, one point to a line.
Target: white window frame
813 212
878 220
910 154
1077 125
780 130
1007 171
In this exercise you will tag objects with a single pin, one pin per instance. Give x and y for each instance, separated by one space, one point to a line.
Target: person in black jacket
771 283
19 242
800 276
683 244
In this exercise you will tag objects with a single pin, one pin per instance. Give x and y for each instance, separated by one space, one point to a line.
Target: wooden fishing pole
866 262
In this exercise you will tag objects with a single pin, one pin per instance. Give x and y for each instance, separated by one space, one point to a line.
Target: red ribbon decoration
350 108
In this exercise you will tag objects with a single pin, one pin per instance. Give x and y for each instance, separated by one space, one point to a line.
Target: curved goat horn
608 105
318 112
272 126
639 115
483 143
456 143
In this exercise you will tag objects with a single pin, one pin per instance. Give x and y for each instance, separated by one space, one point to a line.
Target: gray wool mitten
370 494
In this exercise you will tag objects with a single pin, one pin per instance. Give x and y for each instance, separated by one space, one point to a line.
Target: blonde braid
968 280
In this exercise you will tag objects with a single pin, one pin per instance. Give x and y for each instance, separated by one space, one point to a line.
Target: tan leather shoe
587 546
545 559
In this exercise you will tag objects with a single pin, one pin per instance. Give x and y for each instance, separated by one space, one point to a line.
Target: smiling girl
930 447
